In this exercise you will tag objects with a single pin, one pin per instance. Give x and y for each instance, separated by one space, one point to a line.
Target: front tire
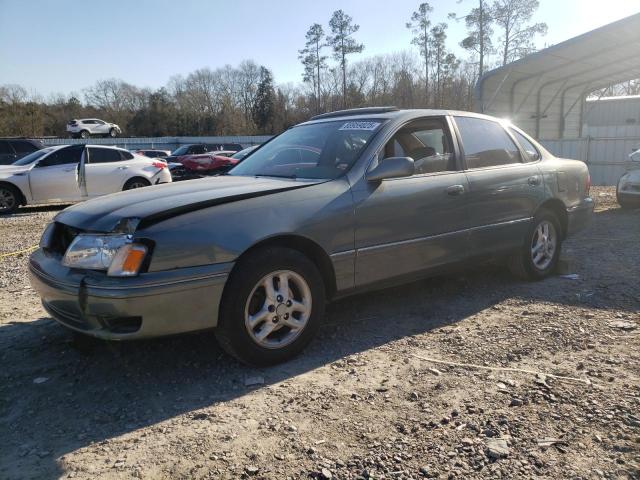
113 133
272 306
9 199
538 257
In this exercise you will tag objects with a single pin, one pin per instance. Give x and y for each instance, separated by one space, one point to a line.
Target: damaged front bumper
150 305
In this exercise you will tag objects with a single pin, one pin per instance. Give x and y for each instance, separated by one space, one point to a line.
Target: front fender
21 183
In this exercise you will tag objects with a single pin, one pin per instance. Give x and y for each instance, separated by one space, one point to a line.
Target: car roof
389 113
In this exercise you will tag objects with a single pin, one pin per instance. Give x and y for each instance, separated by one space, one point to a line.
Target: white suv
85 127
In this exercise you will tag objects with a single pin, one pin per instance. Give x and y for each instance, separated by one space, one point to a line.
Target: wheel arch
308 248
134 177
23 197
557 207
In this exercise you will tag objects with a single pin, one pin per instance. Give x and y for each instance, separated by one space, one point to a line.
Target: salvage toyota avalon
348 201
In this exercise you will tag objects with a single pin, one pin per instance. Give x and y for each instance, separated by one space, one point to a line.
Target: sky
64 46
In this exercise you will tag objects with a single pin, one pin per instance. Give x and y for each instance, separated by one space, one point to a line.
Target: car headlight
115 253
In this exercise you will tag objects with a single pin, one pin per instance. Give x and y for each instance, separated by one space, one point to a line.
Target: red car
209 162
188 167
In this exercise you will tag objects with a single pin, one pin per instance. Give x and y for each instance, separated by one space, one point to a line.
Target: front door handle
455 190
122 168
534 181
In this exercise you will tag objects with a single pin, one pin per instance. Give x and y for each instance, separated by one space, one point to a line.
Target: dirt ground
363 401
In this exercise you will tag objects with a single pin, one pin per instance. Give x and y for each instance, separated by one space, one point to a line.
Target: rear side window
23 147
486 143
197 149
5 148
62 157
532 153
125 155
104 155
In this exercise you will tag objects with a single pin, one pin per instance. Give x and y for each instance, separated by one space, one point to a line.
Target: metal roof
543 92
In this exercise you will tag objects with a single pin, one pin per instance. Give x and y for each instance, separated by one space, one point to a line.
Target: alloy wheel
543 245
278 309
7 200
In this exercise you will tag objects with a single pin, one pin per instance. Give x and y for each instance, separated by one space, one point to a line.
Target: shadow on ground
117 388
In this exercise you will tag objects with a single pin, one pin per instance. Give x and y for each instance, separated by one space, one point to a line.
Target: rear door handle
533 181
122 168
455 190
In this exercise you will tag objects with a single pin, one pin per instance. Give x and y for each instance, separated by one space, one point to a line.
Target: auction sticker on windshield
360 126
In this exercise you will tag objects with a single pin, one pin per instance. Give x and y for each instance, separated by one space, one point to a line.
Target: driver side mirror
393 167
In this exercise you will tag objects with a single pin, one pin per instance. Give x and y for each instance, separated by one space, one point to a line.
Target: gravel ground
364 400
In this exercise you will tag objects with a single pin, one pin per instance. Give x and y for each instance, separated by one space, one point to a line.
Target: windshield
181 150
319 150
32 157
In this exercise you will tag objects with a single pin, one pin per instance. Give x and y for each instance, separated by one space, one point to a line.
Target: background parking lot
362 402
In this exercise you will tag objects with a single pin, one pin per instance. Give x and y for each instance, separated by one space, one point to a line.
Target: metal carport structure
544 92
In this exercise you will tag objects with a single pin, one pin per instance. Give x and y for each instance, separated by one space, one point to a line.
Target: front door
407 225
55 177
100 128
505 188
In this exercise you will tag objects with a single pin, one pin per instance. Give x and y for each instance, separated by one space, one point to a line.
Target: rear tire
136 182
84 134
9 199
248 311
538 256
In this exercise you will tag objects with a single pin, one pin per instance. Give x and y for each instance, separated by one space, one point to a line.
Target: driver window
62 157
427 142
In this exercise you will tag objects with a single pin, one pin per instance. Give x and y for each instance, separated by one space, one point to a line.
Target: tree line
245 100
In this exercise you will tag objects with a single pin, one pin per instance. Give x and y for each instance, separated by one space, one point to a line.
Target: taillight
159 165
587 185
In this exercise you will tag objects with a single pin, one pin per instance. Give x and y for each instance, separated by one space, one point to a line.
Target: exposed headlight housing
117 254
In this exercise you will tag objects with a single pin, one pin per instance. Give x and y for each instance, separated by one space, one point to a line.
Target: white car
628 188
73 173
85 127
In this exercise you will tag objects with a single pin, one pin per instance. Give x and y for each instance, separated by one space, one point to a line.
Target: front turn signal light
128 261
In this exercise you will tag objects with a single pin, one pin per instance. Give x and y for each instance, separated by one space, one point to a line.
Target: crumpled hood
153 204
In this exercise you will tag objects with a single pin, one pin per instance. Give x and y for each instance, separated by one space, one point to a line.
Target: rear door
406 225
504 189
55 177
105 171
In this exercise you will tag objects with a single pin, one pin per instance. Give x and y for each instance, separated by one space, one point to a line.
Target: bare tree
419 26
517 34
342 27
